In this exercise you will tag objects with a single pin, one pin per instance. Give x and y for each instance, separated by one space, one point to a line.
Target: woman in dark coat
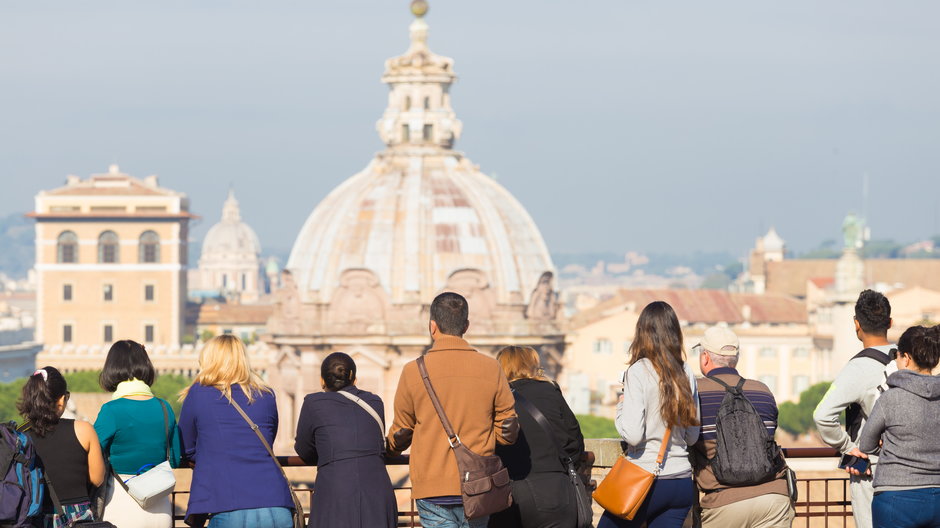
543 496
346 442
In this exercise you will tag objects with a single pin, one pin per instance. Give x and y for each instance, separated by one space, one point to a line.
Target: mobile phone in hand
855 462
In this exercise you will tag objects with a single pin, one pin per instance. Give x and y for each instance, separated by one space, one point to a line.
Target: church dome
230 238
420 218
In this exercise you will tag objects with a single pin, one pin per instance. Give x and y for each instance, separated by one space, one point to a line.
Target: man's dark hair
873 312
451 313
126 360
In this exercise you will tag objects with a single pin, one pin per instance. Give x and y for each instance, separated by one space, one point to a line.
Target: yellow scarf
134 387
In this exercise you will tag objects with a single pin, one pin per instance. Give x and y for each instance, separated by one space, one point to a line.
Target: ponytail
922 345
39 400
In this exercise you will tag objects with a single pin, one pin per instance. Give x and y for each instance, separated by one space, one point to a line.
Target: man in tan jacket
477 401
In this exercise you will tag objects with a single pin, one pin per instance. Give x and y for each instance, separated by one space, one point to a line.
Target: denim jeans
908 508
267 517
666 506
449 516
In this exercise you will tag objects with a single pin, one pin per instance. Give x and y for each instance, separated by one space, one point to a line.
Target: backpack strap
873 353
728 388
543 423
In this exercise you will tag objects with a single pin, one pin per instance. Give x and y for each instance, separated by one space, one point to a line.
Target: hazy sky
620 125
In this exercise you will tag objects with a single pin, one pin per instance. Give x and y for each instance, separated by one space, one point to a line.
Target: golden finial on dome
419 8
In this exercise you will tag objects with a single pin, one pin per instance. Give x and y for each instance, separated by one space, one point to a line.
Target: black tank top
65 462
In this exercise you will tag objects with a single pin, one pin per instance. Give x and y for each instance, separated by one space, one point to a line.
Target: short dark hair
451 313
126 360
922 344
338 371
873 312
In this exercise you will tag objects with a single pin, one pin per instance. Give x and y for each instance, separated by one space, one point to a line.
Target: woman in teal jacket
135 434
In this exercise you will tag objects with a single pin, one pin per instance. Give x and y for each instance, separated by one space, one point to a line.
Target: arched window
149 247
67 248
108 246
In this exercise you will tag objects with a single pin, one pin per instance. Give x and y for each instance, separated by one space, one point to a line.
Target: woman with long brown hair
659 403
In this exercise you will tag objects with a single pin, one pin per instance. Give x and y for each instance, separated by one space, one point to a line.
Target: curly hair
922 344
38 403
873 312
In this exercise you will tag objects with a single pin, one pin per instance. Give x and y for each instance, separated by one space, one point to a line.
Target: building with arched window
111 264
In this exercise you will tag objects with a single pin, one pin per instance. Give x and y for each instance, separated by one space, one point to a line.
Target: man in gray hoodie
856 384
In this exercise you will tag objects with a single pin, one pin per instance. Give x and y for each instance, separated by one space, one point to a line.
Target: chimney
152 181
72 180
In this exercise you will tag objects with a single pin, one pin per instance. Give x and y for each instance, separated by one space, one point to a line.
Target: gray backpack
745 455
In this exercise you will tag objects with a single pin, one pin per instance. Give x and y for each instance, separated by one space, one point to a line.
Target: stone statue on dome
543 303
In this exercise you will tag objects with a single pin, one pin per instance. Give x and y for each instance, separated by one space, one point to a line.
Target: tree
797 418
597 427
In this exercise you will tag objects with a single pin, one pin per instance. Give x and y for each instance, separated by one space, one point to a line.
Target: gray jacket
855 383
906 419
640 423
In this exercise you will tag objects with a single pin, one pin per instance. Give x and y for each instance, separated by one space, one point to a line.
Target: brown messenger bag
484 482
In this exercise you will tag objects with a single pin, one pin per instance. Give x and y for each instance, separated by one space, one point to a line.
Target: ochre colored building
111 264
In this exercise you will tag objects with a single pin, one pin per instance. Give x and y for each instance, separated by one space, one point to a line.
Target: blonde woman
543 496
235 482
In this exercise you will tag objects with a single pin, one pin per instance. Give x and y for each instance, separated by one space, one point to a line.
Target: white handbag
157 482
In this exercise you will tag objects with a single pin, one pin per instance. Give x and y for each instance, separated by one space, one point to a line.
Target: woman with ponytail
342 431
904 426
659 394
69 449
235 483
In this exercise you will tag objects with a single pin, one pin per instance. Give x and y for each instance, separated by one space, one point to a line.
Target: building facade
110 264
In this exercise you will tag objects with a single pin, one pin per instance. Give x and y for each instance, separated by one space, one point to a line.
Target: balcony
823 501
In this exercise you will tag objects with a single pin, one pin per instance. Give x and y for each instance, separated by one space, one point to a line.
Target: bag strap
452 437
739 385
26 429
264 441
368 408
661 458
166 428
873 353
543 423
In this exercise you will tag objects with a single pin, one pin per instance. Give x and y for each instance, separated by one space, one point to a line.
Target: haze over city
610 122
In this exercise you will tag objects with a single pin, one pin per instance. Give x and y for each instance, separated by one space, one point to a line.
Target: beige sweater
476 398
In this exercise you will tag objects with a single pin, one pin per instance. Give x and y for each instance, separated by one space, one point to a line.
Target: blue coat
233 469
352 489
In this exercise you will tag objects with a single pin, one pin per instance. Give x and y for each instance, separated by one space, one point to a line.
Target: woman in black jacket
543 496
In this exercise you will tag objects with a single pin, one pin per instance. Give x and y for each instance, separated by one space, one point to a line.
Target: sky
620 125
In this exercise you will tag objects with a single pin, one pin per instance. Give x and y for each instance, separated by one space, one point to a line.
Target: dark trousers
666 506
916 508
541 500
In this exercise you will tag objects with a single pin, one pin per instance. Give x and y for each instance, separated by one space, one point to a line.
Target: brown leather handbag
624 489
484 482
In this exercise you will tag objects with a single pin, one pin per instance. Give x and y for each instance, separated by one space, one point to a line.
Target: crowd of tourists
492 442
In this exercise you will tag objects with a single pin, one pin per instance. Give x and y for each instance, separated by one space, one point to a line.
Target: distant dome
231 238
772 241
421 217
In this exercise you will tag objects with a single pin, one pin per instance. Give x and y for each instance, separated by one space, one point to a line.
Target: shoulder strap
661 458
264 441
166 428
542 421
452 437
26 429
873 353
368 408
